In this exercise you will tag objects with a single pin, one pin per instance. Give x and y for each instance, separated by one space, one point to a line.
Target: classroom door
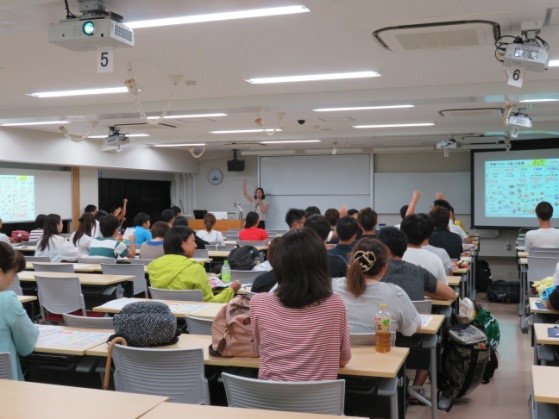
149 196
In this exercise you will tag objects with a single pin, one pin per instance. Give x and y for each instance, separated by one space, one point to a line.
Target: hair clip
366 259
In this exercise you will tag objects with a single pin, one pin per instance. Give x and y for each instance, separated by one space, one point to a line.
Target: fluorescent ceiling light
363 108
199 115
216 17
314 77
246 131
180 145
80 92
419 124
538 100
289 141
553 63
21 124
127 135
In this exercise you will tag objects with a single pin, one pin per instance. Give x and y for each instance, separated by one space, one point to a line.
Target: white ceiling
336 36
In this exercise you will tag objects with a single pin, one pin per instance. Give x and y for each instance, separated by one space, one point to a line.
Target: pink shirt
305 344
253 233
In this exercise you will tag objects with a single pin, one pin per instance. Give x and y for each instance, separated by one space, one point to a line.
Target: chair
201 254
176 373
53 267
540 266
140 283
178 295
140 261
94 259
246 277
423 306
37 258
255 243
368 339
58 296
5 366
198 326
221 247
15 286
326 397
88 322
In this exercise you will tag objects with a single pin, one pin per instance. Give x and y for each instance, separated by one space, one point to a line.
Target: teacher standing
259 202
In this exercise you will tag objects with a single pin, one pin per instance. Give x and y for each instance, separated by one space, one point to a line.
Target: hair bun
365 259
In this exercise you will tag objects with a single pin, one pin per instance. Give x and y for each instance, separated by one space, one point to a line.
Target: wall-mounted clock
215 176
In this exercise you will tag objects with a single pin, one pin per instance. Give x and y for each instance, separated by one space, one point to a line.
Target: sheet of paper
121 302
45 330
71 339
177 308
425 319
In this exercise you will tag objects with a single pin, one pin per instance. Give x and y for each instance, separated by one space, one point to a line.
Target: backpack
483 275
231 330
489 325
244 258
504 292
464 358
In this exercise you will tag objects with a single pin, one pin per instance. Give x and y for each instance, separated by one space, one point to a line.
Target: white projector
90 34
530 57
520 120
447 144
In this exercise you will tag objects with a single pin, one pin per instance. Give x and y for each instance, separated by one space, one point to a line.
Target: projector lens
88 28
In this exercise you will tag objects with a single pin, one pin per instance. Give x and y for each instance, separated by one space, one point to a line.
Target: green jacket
177 272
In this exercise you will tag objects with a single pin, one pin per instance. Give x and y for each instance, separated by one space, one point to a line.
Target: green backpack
488 324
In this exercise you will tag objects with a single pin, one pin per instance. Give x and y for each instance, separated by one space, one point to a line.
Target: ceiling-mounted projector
448 143
520 120
530 57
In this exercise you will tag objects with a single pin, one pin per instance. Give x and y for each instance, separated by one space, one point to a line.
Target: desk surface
522 254
432 328
546 386
523 261
542 338
536 309
459 271
445 303
178 308
25 400
454 281
85 279
26 298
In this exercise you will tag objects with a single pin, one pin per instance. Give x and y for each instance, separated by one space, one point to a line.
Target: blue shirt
141 235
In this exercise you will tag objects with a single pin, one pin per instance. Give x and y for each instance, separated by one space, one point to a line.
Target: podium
220 225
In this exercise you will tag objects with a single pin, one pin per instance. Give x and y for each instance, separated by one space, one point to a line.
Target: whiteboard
392 190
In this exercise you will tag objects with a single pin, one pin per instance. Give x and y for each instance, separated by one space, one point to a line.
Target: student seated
18 335
251 230
36 234
168 216
175 270
3 237
152 249
347 229
295 218
337 265
442 236
142 223
209 234
182 221
300 329
367 221
81 238
267 280
363 292
107 245
546 235
52 244
332 215
439 251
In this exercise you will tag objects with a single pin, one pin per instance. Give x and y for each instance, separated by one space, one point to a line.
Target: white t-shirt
542 237
458 230
213 236
426 260
4 238
443 254
58 249
82 244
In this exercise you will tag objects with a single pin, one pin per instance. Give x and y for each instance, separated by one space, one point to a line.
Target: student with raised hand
52 244
300 329
108 246
18 335
81 238
363 292
259 202
441 201
176 270
142 224
251 230
209 234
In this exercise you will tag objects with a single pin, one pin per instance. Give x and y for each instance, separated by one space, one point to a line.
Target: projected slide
17 198
513 188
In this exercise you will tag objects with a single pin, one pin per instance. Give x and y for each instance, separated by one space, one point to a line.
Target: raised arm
123 212
413 203
440 195
245 192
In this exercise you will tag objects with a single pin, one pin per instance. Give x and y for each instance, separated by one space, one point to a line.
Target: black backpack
504 292
244 258
483 275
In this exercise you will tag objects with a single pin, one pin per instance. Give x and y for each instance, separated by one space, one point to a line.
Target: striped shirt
304 344
107 247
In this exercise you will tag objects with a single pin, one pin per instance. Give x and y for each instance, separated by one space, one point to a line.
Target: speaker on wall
235 165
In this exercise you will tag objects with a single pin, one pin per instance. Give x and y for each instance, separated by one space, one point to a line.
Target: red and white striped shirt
305 344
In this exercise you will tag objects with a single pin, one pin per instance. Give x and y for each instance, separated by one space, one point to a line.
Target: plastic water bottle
226 272
383 334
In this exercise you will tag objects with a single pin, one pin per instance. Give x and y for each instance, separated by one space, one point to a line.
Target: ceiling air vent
472 112
438 35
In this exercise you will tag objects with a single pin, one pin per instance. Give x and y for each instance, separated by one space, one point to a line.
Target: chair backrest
15 286
368 339
198 326
140 261
179 295
326 397
88 322
138 271
53 267
59 295
221 247
177 373
201 253
275 233
5 366
95 259
255 243
423 306
540 267
37 258
246 277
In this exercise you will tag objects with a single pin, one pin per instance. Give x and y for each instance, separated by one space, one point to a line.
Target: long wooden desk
178 308
25 400
546 391
535 309
96 267
65 340
85 279
541 335
454 281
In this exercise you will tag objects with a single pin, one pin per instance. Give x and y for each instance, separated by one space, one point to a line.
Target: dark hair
346 227
271 252
394 239
263 194
40 220
167 215
442 203
301 267
176 209
439 216
319 224
429 226
180 221
174 238
251 219
367 217
403 210
352 211
87 223
312 210
159 229
90 208
10 258
292 215
50 229
544 211
368 257
209 221
100 214
415 228
108 224
141 218
332 215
